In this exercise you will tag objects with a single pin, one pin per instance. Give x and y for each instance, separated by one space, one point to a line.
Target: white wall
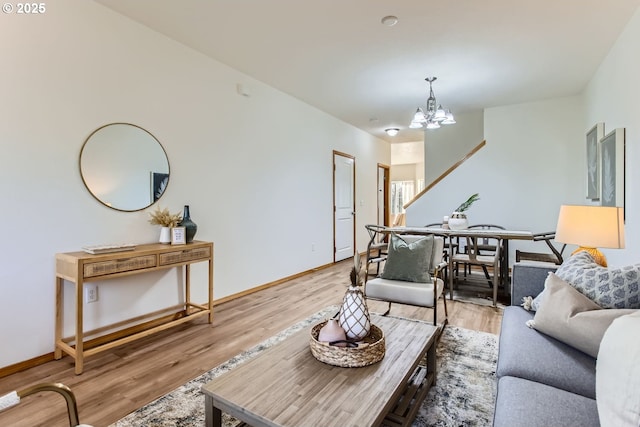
445 146
612 97
535 157
527 169
257 171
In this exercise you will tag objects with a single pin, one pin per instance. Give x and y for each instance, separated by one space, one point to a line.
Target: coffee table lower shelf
406 408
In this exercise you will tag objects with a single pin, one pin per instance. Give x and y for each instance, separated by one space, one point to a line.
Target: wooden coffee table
286 386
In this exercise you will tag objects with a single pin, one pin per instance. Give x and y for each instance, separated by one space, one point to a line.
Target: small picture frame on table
178 236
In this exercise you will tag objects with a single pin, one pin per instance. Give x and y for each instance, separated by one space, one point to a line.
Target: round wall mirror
124 167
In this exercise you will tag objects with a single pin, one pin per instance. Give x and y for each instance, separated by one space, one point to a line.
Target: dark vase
190 226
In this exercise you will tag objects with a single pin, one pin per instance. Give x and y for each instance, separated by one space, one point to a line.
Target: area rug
463 395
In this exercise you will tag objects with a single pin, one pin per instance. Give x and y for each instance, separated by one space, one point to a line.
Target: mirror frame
82 151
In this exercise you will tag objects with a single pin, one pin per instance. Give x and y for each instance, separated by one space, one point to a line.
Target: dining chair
447 248
476 253
425 284
13 398
376 247
485 247
555 256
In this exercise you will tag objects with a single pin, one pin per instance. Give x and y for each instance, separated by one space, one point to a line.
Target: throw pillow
568 316
607 287
618 374
410 262
531 303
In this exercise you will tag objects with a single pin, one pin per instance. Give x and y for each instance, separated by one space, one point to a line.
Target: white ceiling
337 55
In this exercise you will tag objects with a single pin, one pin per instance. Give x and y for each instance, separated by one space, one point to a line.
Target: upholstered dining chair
412 275
477 253
13 398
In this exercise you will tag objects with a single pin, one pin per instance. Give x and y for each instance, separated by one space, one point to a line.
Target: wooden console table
80 267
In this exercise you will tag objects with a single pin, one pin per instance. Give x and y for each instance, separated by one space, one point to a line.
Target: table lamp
591 227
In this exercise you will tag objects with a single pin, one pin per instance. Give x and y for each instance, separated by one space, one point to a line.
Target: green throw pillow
410 262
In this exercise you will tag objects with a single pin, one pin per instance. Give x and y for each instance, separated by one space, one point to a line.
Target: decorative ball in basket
363 343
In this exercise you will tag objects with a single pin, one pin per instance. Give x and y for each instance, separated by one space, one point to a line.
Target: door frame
386 170
333 201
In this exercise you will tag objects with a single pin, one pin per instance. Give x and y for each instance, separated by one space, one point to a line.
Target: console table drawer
94 269
185 255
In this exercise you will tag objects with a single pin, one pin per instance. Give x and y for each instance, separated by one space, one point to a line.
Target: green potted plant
458 219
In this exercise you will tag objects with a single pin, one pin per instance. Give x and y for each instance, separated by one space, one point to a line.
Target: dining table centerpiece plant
166 220
458 219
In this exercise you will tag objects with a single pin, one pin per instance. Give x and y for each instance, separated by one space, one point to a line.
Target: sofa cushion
617 376
400 291
570 317
410 262
529 354
524 403
607 287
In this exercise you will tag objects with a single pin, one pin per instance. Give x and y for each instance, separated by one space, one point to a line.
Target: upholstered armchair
413 274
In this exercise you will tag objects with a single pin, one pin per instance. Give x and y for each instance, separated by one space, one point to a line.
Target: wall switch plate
90 293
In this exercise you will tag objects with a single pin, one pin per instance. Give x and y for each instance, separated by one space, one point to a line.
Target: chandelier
433 116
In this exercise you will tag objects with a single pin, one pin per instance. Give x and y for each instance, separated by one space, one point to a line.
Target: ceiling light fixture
392 131
434 115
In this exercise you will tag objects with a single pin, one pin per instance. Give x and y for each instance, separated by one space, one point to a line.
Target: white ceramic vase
354 314
165 235
458 221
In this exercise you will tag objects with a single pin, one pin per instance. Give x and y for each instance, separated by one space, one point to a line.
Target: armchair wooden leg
388 309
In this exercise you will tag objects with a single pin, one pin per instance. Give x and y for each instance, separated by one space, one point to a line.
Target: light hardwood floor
116 382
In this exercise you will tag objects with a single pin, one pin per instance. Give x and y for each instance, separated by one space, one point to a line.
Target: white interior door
344 206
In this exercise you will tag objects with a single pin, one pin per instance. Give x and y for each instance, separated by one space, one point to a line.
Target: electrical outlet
313 247
90 293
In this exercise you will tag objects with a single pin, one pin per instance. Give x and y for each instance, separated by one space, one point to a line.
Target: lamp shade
591 226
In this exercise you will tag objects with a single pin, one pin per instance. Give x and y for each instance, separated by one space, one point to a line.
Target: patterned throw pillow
607 287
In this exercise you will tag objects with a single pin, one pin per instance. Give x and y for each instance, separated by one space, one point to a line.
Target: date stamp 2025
24 8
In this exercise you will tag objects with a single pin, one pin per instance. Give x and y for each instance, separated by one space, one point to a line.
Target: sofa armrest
527 279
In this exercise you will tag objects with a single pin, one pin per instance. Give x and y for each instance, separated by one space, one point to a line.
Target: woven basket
369 351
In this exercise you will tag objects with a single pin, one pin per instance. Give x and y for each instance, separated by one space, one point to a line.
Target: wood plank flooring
116 382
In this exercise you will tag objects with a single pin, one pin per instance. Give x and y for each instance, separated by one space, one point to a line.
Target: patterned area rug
463 395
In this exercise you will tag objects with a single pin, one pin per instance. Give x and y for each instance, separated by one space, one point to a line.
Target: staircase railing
447 172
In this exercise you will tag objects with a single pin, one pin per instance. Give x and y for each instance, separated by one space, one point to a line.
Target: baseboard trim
45 358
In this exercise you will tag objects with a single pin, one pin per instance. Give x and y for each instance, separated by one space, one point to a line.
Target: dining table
504 235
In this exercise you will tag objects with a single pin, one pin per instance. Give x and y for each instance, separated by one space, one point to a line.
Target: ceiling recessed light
390 20
392 131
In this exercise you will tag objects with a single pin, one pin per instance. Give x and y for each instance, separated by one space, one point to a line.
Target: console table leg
210 302
57 351
79 356
187 276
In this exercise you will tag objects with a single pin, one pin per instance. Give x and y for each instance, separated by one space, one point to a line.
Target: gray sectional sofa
541 381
